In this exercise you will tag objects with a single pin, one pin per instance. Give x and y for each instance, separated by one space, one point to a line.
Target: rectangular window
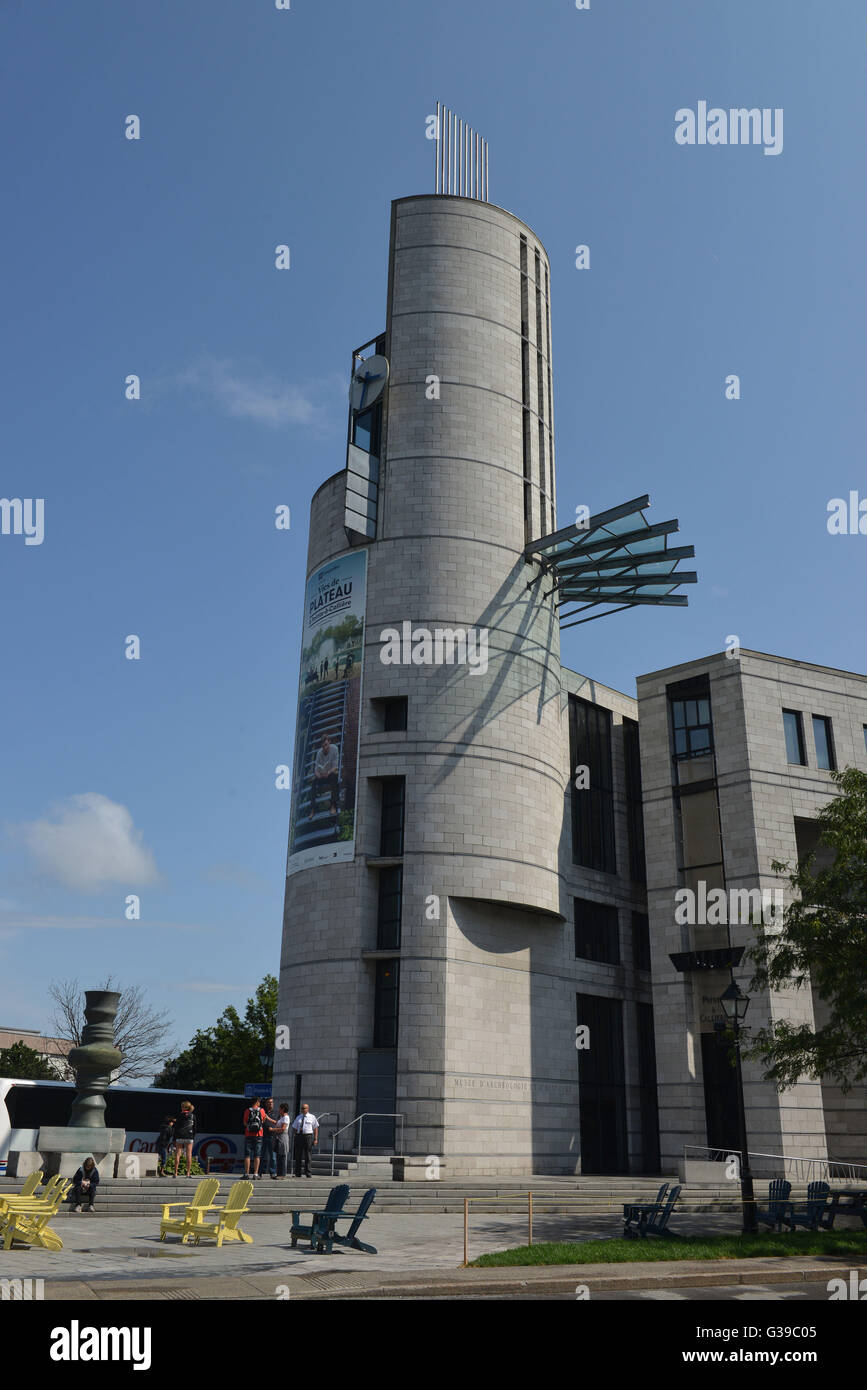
794 729
641 940
389 909
385 1004
596 934
394 714
634 803
593 805
391 824
691 728
824 741
865 738
366 429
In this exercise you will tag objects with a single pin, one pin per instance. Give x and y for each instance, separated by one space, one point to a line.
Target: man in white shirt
326 765
306 1127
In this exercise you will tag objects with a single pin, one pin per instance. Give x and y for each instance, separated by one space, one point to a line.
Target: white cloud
261 397
88 843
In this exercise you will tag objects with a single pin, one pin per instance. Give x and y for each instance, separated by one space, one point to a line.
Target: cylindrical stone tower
407 972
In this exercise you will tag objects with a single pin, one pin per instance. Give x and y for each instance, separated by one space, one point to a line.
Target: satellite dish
368 382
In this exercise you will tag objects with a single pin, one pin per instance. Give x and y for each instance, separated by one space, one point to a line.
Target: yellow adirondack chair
227 1228
28 1223
194 1211
29 1188
21 1201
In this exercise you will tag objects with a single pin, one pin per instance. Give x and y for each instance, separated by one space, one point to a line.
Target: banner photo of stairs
325 767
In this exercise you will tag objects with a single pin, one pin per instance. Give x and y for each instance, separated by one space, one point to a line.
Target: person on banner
306 1127
325 774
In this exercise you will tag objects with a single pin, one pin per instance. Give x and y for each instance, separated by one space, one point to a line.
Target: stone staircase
592 1195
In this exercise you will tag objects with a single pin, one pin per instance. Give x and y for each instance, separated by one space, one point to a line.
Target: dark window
634 805
385 1004
366 429
391 825
823 738
865 737
641 940
394 714
596 934
648 1107
389 909
692 736
593 806
794 730
602 1086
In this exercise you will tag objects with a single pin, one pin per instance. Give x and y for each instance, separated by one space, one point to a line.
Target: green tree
823 942
22 1062
226 1056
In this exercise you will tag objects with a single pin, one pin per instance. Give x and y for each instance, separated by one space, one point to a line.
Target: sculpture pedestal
64 1148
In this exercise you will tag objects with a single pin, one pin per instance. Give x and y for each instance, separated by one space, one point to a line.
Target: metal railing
359 1120
798 1169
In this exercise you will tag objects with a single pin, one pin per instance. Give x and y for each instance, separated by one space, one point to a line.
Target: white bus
27 1105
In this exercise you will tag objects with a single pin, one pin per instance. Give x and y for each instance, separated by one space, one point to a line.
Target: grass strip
846 1244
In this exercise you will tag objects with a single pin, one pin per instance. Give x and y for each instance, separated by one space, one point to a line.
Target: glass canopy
616 558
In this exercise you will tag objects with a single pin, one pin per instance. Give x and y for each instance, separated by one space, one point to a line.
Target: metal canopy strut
614 558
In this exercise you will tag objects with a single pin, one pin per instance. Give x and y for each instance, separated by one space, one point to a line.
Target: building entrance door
720 1092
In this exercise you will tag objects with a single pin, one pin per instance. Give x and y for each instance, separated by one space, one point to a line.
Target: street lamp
735 1005
266 1057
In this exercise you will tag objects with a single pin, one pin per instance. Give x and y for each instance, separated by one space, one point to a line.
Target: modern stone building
736 760
466 953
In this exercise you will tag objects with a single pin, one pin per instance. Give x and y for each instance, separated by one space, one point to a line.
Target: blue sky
156 257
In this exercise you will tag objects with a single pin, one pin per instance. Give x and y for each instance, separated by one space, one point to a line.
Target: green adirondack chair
325 1233
226 1227
193 1212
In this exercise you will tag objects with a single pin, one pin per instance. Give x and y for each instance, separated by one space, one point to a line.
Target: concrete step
551 1195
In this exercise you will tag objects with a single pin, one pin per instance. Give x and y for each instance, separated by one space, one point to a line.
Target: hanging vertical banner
325 770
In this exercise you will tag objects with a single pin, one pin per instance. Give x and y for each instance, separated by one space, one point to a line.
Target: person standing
165 1139
269 1139
306 1127
281 1140
184 1135
84 1186
254 1129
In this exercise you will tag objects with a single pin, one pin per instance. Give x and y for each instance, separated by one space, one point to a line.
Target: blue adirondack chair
811 1213
334 1204
326 1236
778 1200
633 1212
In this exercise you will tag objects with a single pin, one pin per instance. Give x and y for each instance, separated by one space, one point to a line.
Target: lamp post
735 1005
266 1058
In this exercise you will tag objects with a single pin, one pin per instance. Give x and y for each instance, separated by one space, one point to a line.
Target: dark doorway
377 1076
602 1086
720 1092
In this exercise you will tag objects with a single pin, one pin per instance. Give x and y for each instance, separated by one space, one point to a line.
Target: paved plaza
120 1258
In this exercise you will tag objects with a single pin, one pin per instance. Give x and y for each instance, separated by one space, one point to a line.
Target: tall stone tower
407 970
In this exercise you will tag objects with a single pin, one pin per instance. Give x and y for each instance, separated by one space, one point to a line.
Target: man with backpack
254 1128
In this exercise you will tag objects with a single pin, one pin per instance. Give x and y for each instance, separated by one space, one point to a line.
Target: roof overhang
616 559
